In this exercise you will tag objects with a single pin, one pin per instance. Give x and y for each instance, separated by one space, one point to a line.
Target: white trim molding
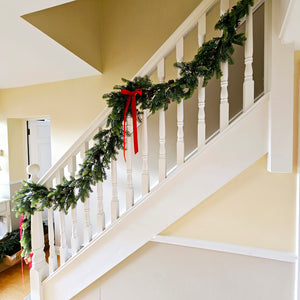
227 248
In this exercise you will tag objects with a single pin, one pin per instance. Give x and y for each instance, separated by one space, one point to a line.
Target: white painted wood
289 32
84 147
145 172
162 159
52 259
228 248
180 113
248 85
100 211
201 136
297 229
39 144
62 225
224 6
114 201
208 169
129 187
40 269
182 30
75 238
87 229
224 105
280 158
52 255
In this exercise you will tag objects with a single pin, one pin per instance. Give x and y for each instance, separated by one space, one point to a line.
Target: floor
11 286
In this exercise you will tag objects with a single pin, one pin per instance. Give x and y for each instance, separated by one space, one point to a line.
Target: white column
280 62
52 254
63 253
145 172
114 200
162 160
129 187
100 212
40 269
248 85
224 105
180 113
201 137
74 238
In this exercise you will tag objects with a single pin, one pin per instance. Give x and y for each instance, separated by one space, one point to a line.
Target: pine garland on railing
108 142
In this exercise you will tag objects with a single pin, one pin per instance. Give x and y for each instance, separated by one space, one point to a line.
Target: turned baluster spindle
74 238
201 136
100 212
52 254
87 230
145 171
63 251
224 105
129 188
114 200
162 160
248 85
40 269
180 113
84 148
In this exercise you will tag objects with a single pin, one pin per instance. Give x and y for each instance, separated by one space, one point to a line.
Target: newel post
40 269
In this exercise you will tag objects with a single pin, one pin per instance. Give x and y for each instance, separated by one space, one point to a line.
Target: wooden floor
11 286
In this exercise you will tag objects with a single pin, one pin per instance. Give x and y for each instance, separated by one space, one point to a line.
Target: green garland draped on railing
108 142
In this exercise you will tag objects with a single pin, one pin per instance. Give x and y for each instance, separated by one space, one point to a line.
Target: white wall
167 272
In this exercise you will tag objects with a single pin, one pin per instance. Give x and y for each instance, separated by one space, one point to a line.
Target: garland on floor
108 142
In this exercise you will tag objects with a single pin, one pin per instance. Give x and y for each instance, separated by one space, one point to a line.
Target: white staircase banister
166 48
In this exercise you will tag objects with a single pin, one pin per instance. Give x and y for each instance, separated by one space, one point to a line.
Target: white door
39 144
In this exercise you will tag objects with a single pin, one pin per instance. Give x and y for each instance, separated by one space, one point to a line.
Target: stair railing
68 164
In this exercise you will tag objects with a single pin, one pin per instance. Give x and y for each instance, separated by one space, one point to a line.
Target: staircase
149 192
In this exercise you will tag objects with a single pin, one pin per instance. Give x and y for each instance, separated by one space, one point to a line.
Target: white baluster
224 105
74 238
145 172
115 200
87 230
248 86
52 254
100 212
201 90
162 161
129 188
180 132
84 148
40 269
63 252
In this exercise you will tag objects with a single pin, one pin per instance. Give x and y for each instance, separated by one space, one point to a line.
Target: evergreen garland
108 142
10 244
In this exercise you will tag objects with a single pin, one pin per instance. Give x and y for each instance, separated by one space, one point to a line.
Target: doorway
39 144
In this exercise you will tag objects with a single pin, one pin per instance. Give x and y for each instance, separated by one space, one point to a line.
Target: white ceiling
27 55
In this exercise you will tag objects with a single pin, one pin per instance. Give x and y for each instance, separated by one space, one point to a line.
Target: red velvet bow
134 119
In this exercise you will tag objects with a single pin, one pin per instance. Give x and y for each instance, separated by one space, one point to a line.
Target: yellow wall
16 149
127 43
256 209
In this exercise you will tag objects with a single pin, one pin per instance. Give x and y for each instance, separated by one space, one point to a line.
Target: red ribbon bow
131 95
